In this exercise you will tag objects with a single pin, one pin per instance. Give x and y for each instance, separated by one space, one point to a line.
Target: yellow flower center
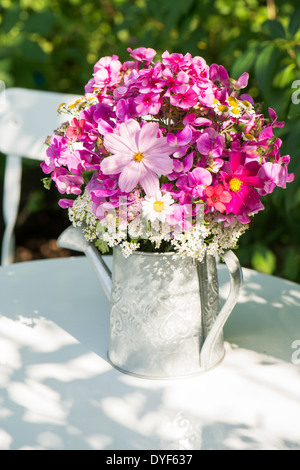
247 104
235 185
223 108
158 206
235 111
138 156
249 136
233 102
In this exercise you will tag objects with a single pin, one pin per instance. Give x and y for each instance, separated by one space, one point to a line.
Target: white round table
59 392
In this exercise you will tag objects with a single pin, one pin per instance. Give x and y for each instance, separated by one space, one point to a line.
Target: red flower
75 130
217 197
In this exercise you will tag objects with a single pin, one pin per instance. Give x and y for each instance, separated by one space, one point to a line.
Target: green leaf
294 23
47 182
102 246
244 63
285 77
274 29
265 67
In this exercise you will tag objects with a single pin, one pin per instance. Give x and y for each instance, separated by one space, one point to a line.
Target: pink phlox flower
107 72
172 82
75 130
138 156
142 54
198 70
149 103
177 61
149 80
185 97
66 183
205 92
211 143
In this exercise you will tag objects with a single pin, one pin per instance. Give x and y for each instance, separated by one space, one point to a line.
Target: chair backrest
27 117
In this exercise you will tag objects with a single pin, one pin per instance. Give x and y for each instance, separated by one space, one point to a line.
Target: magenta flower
138 156
241 183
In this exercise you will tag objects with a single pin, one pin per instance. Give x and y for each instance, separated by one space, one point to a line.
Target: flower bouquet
166 155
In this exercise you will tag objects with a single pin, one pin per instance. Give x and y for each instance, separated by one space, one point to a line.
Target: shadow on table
59 392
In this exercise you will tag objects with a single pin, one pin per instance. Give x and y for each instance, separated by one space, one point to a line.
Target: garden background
53 45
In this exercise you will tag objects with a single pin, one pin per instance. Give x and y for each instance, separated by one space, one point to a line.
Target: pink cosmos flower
138 156
242 182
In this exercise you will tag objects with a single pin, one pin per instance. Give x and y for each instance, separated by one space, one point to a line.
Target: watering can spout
73 239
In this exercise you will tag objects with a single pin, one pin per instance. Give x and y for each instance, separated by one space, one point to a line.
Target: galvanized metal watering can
165 319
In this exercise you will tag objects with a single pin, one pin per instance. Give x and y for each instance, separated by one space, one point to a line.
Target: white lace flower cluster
207 237
81 215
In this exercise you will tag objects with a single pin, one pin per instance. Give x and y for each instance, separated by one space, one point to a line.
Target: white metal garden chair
27 117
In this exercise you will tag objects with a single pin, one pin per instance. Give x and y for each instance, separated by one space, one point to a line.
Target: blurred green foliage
53 45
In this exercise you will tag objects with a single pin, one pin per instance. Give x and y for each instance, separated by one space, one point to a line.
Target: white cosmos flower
157 207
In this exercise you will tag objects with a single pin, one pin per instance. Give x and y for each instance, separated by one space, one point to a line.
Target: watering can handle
73 239
236 281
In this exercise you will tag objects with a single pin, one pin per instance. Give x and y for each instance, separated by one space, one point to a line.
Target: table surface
59 392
